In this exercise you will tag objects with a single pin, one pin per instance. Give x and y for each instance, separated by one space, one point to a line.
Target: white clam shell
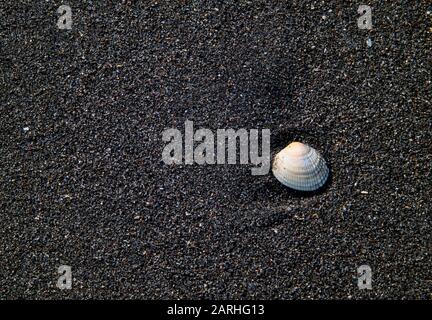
300 167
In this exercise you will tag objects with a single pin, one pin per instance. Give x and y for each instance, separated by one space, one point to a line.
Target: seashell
300 167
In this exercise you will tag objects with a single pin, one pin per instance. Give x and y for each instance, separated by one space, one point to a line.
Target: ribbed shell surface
300 167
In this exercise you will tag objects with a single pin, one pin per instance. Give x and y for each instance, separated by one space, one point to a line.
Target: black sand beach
82 181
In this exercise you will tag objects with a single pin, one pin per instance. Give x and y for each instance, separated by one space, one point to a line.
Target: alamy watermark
364 273
365 20
65 279
65 20
200 147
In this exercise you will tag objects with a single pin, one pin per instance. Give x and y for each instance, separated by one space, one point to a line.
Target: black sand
86 186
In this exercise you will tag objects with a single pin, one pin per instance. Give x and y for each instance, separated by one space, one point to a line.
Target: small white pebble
26 129
364 192
369 42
